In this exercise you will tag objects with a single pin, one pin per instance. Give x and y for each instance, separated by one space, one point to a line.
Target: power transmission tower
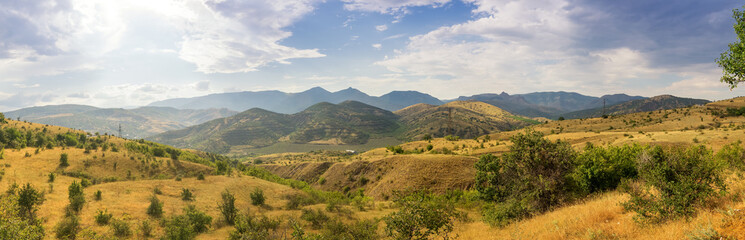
120 130
603 106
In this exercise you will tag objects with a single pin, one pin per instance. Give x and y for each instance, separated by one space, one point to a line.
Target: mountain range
290 103
135 123
538 104
349 122
641 105
548 104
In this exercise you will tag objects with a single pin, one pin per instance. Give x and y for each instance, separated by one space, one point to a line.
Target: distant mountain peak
316 90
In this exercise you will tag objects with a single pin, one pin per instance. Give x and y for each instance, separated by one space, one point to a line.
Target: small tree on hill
63 160
156 207
29 200
227 207
76 197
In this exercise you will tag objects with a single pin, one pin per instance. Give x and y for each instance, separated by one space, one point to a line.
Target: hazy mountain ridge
289 103
547 104
136 123
661 102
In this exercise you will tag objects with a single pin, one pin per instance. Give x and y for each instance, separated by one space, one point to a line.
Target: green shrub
198 220
187 195
535 171
601 169
733 155
227 207
250 227
503 213
76 197
63 162
120 228
297 200
102 217
395 149
68 228
51 178
97 195
146 228
13 224
421 215
257 197
156 207
200 176
187 225
178 228
157 190
29 200
316 218
674 183
429 147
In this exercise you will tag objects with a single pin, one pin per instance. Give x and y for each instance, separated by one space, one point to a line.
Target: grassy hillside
661 102
466 119
597 216
136 123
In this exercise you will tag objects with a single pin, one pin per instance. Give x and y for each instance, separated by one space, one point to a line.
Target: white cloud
201 85
377 46
381 28
218 36
19 85
389 6
526 46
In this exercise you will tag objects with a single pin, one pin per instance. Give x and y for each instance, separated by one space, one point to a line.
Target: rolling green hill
136 123
466 119
349 123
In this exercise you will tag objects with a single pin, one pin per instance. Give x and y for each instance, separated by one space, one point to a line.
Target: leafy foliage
422 215
536 172
732 61
257 197
601 169
102 217
76 197
227 207
156 207
14 225
68 228
674 183
250 227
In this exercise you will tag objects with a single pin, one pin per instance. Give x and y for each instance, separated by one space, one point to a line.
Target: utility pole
120 130
603 106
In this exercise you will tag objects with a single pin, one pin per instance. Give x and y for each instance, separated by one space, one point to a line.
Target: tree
534 174
63 160
732 61
75 194
156 207
422 215
28 201
227 207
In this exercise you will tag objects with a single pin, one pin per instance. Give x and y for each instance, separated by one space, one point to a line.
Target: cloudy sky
131 53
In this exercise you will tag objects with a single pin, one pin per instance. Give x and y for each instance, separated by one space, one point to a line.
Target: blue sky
131 53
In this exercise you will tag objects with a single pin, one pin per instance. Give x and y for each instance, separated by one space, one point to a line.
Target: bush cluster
537 175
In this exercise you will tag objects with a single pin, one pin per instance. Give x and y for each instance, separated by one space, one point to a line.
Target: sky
131 53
